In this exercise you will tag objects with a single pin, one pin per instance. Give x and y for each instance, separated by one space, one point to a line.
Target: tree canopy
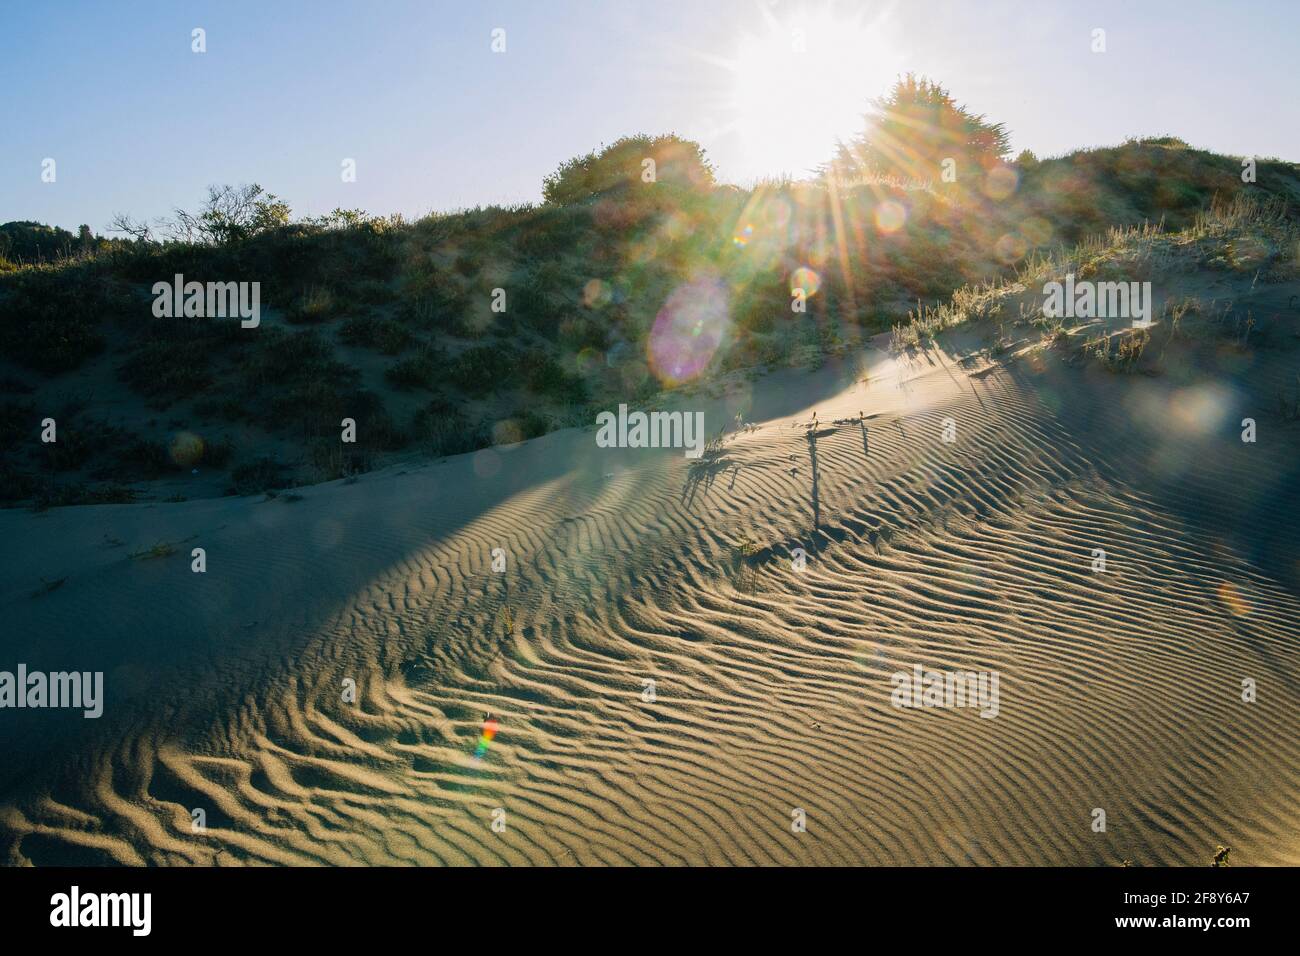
910 131
677 162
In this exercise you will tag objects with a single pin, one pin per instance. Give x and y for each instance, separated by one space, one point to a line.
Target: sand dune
1119 691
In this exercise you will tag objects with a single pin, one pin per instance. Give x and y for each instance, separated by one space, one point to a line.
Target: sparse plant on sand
47 586
162 549
1288 406
745 574
1121 352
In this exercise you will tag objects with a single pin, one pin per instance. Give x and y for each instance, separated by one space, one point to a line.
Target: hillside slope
477 329
1121 689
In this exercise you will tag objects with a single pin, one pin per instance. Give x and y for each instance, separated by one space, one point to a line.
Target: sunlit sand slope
1119 691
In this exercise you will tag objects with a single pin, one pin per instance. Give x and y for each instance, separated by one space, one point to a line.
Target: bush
545 376
50 317
546 299
482 369
18 422
1176 142
51 495
281 357
16 485
163 370
441 430
387 336
144 459
217 454
78 443
316 304
255 477
678 163
423 370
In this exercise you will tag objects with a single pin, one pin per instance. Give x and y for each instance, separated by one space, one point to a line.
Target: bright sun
804 82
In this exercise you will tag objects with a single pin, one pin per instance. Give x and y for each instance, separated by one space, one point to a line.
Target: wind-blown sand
1119 691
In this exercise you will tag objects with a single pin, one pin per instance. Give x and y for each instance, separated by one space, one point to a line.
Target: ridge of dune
772 686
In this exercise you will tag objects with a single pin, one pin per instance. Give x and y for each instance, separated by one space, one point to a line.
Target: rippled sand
1119 691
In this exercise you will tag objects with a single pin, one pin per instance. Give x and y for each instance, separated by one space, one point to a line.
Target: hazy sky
435 120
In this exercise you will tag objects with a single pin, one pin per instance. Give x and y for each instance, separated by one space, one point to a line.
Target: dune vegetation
486 326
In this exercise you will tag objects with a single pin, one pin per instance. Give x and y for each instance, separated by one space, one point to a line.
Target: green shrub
217 454
53 495
387 336
164 370
543 375
679 163
315 304
50 317
441 430
143 459
481 370
255 477
423 370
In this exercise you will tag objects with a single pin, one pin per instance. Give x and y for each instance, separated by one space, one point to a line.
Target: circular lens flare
688 330
890 216
186 449
805 279
1010 249
595 294
1000 182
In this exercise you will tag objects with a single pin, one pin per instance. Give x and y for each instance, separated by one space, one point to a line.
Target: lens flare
486 463
640 253
1036 230
485 738
1010 249
507 432
675 226
890 216
1000 182
805 279
186 449
743 235
797 81
595 294
1232 599
777 212
688 330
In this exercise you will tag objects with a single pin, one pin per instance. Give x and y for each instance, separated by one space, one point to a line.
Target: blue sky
435 120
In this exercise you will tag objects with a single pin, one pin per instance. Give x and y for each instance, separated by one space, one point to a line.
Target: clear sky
412 91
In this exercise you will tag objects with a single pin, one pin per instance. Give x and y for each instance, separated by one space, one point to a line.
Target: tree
676 162
911 131
36 242
139 231
229 214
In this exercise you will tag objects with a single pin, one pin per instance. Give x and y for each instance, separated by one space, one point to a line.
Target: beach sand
1120 691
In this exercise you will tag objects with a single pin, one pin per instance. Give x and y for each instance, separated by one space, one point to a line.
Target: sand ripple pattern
1119 691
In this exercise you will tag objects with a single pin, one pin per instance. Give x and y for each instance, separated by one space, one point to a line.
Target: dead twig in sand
48 586
162 549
